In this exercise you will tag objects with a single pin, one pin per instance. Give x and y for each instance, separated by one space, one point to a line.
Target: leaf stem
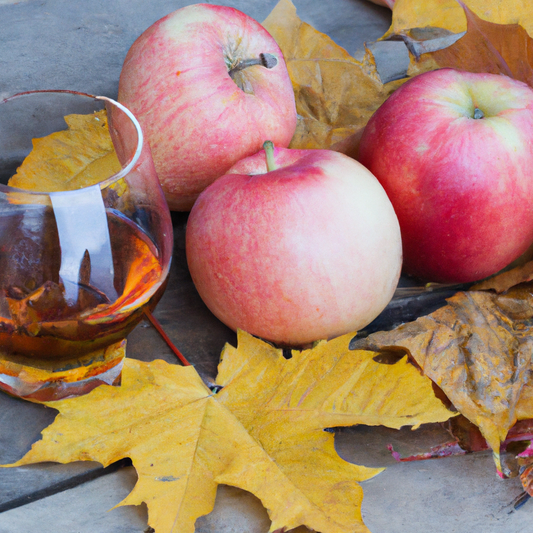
165 337
268 147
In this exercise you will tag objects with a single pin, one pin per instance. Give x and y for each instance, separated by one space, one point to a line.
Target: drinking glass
77 267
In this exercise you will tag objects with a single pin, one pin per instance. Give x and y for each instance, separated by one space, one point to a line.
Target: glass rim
107 181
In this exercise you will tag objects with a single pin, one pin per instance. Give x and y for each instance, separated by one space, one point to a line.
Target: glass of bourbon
80 259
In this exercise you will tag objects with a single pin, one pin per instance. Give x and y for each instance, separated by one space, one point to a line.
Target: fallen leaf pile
476 348
262 432
337 94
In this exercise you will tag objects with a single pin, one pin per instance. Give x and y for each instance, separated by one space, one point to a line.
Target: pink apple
209 85
454 151
307 250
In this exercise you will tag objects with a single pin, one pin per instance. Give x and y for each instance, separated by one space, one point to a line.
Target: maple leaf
486 47
477 349
263 432
335 94
56 162
447 14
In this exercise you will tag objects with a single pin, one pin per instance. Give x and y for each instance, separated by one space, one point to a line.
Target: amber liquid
36 318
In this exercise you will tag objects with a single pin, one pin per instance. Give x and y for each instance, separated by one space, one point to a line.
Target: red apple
209 85
307 250
454 151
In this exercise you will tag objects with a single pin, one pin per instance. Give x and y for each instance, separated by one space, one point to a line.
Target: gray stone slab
81 45
84 509
452 495
78 45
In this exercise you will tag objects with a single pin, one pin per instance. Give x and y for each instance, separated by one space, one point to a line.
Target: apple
303 248
454 151
209 85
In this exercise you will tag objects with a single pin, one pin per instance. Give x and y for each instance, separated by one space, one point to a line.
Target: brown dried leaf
335 94
527 479
48 304
448 14
504 281
477 349
486 47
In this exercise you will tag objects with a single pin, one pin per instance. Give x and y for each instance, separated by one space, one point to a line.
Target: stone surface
84 509
58 44
452 495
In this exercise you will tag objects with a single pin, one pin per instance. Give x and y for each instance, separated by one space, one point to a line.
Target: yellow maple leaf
74 158
263 432
449 14
335 94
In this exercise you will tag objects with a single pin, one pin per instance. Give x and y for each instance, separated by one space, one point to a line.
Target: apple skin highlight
308 251
462 187
198 120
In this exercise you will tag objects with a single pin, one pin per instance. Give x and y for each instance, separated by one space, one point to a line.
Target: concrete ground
80 45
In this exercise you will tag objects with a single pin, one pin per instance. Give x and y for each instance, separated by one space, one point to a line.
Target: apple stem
268 147
265 60
478 113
